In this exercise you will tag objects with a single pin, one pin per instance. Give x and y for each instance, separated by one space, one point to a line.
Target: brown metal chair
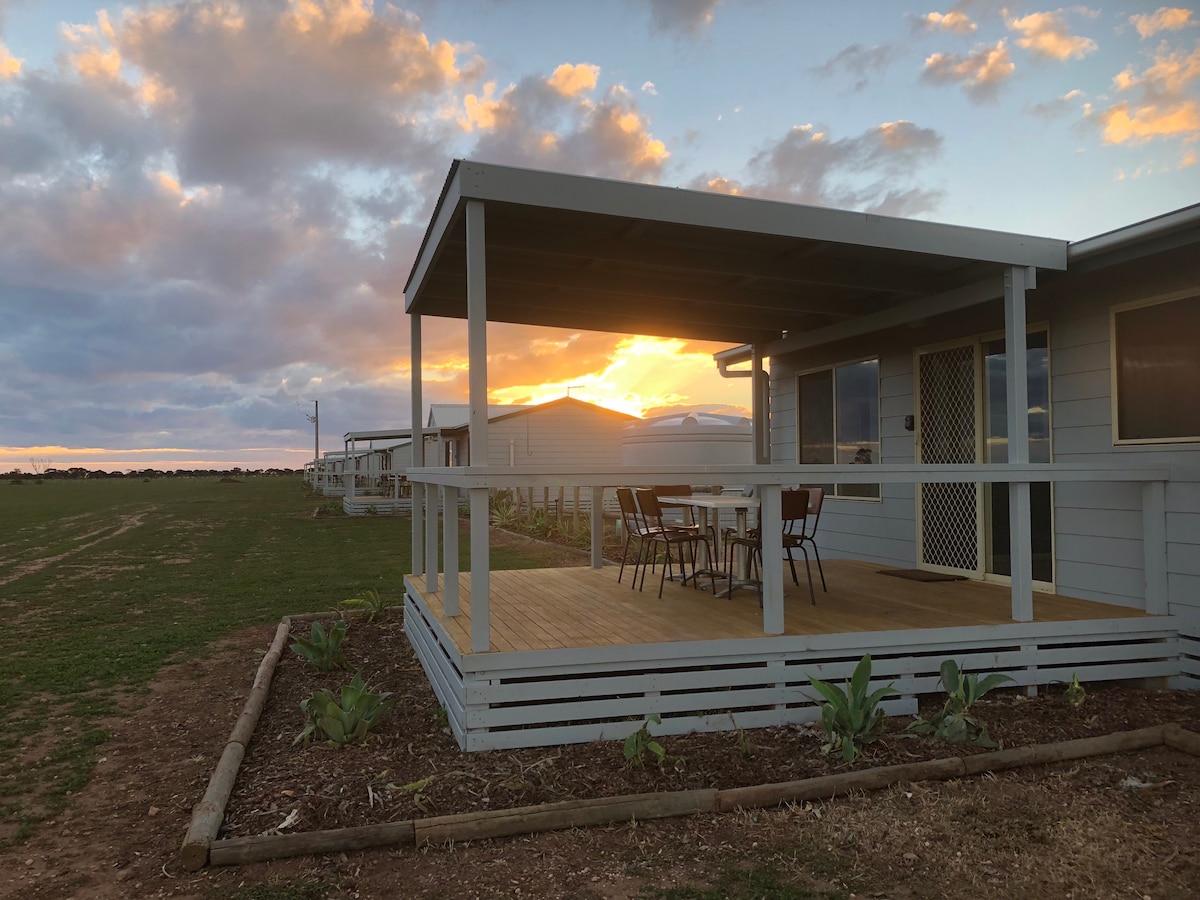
635 526
794 506
806 535
669 536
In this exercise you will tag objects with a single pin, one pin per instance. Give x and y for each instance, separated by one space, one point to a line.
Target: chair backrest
647 502
794 509
685 515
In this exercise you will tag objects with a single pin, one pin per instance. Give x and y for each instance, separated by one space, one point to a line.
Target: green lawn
103 582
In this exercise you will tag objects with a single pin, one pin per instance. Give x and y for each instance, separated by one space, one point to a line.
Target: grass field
103 582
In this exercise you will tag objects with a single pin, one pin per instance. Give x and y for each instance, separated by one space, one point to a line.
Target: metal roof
602 255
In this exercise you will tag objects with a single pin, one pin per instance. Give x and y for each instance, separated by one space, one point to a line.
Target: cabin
1043 517
379 483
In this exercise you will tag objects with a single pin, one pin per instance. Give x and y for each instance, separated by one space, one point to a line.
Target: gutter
1159 226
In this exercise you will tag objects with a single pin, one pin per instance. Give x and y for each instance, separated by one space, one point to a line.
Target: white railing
435 487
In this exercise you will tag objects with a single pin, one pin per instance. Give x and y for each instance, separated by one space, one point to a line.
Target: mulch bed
411 766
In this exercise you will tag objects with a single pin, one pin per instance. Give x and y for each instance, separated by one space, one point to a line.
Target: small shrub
638 744
851 717
953 723
345 718
503 510
324 648
1075 694
370 602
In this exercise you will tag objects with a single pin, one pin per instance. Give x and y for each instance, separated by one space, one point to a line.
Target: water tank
688 439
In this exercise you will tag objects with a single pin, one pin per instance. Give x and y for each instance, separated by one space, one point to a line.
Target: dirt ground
1117 826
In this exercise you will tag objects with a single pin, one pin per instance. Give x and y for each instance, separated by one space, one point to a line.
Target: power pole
315 418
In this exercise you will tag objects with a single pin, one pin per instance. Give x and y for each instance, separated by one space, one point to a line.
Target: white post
481 626
597 528
770 520
1016 356
450 548
760 409
431 538
477 429
348 448
418 445
1154 545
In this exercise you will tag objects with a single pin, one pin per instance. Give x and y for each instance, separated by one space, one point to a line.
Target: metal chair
794 506
806 536
669 536
634 526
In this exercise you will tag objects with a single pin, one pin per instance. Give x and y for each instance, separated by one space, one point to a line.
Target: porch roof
602 255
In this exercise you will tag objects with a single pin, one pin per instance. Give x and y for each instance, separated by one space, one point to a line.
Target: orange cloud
954 21
1165 18
1163 109
1123 123
980 72
480 109
10 66
1045 35
571 80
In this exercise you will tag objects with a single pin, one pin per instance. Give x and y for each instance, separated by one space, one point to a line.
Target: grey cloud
860 62
686 18
862 172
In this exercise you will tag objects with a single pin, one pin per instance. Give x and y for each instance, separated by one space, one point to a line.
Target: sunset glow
644 376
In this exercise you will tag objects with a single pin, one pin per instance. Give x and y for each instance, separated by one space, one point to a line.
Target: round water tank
688 439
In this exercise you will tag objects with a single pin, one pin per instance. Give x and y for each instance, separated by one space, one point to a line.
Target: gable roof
591 253
455 415
504 413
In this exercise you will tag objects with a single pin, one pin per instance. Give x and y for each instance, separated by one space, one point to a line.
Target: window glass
839 421
1158 371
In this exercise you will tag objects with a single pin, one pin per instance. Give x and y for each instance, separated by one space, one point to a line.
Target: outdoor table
717 502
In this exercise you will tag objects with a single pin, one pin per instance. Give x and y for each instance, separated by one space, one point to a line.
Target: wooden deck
557 609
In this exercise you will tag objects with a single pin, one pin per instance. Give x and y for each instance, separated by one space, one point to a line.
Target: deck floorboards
551 609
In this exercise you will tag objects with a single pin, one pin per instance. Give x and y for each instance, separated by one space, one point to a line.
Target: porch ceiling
601 255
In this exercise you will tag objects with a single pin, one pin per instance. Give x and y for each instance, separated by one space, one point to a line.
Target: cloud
572 80
533 123
980 72
1056 108
955 21
683 18
867 172
1045 35
861 62
1163 103
649 88
1165 18
10 67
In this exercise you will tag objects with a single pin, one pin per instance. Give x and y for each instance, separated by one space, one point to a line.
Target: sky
208 209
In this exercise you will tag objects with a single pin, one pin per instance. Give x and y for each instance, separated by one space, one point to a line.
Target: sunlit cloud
1165 18
1164 106
980 72
572 80
1046 35
954 21
10 66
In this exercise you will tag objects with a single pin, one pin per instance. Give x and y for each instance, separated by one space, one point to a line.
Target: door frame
983 533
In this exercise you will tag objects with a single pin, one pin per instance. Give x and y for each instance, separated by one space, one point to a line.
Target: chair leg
792 564
808 571
817 554
624 553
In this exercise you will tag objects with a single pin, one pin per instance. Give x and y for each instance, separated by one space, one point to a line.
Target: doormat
920 575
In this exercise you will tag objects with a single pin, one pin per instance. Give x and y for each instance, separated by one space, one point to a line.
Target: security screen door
962 401
948 402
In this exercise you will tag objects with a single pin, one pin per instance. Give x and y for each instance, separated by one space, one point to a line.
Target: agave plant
369 602
341 718
851 717
324 648
953 723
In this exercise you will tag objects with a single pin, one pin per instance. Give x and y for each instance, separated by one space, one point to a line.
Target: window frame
832 369
1114 395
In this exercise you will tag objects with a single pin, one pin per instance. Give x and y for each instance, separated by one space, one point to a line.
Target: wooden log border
200 846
